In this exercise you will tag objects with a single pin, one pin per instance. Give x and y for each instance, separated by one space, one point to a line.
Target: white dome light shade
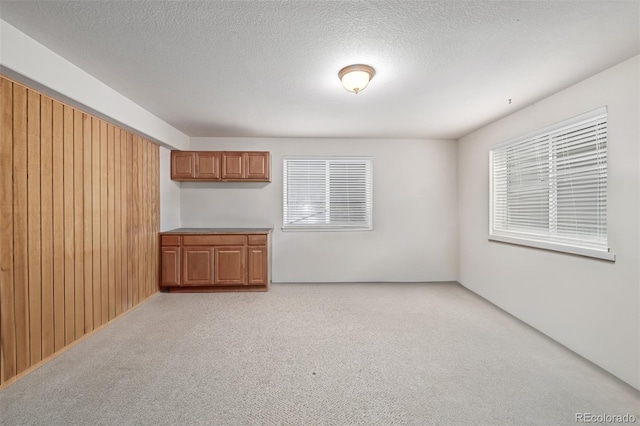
356 77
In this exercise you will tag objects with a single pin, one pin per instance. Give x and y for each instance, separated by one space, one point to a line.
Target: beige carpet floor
318 354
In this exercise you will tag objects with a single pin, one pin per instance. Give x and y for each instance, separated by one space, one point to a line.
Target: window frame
368 176
538 241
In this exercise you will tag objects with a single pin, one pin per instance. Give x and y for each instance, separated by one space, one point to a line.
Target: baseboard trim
366 282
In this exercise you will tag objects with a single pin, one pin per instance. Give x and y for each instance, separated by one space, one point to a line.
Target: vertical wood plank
20 243
117 223
78 222
147 223
144 220
123 212
46 190
34 226
7 295
95 212
88 222
152 232
134 219
130 240
132 214
149 184
147 210
150 199
69 228
110 218
152 225
139 198
143 231
156 230
156 227
58 225
104 247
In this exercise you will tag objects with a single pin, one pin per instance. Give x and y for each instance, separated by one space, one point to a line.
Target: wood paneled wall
79 222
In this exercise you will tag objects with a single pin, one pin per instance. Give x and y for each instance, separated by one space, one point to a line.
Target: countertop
219 231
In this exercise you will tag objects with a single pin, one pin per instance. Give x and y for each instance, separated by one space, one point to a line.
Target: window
327 193
549 188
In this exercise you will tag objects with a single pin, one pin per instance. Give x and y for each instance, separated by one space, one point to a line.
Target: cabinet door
258 265
170 262
257 165
207 165
197 266
182 165
232 165
230 265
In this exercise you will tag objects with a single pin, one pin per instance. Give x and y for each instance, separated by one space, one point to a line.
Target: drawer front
214 240
257 240
170 240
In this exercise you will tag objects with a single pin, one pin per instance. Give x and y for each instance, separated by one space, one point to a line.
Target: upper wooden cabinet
195 165
235 166
257 165
207 165
183 165
252 166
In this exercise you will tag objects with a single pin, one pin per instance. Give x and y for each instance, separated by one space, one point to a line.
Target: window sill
312 229
604 255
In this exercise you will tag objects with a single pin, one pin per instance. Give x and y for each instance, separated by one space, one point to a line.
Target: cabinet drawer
214 240
257 240
170 240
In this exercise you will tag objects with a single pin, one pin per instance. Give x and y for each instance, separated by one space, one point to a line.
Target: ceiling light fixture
356 77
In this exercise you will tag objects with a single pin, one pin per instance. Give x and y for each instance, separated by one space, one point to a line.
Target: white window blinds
327 193
551 186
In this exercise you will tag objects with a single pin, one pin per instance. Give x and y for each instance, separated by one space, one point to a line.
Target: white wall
414 216
588 305
169 194
29 62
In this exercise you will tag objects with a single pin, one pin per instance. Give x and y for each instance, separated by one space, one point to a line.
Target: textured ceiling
269 68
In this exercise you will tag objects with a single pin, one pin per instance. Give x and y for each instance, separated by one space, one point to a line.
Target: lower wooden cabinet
230 265
170 265
197 266
214 262
257 271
